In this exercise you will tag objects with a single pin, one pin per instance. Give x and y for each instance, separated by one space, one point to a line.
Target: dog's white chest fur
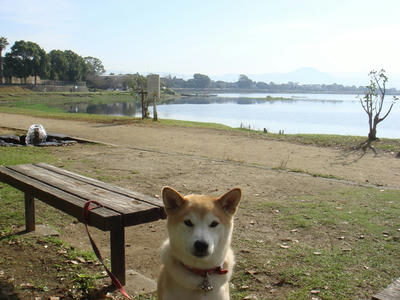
184 284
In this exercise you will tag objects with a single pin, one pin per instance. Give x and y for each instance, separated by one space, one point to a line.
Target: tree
27 59
67 65
77 68
94 66
42 66
244 82
373 102
262 85
58 65
138 83
3 44
201 81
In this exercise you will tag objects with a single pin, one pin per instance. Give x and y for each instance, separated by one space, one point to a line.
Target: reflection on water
130 108
243 100
308 113
299 96
115 109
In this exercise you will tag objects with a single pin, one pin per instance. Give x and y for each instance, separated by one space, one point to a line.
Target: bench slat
83 190
101 218
138 196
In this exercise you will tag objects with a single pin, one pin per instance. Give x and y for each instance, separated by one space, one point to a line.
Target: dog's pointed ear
172 199
230 201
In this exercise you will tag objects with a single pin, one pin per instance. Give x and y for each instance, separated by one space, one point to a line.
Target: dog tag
206 285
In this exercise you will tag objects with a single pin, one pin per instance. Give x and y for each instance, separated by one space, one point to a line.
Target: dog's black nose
201 248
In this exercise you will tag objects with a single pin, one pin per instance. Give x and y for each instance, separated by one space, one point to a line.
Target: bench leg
29 212
117 237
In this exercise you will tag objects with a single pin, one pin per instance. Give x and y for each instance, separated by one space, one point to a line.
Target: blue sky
214 37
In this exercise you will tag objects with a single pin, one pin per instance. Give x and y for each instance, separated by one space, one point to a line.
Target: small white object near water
36 135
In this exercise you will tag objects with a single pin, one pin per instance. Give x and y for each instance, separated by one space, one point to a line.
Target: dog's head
200 226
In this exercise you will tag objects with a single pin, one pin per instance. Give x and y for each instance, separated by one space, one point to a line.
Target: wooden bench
69 192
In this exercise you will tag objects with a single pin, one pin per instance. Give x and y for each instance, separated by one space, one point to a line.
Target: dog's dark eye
214 224
188 223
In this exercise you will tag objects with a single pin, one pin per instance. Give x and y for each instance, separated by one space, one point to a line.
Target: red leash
96 250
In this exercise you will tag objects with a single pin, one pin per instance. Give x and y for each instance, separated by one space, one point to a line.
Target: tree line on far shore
201 81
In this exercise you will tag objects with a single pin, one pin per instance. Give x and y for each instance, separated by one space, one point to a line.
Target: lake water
304 113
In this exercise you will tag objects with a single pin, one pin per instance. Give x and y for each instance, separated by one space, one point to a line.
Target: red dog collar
218 270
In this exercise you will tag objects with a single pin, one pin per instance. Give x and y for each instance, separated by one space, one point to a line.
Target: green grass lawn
340 244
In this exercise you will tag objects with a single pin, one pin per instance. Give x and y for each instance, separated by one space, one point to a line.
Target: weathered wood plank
136 195
392 292
70 204
120 203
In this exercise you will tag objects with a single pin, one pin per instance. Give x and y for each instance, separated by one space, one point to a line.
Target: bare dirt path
382 169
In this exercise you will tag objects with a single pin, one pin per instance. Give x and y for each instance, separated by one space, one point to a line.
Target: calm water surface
304 113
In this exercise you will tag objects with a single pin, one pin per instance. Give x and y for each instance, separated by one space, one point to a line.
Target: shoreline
320 140
47 105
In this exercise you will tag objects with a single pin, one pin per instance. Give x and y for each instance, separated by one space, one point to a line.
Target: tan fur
176 282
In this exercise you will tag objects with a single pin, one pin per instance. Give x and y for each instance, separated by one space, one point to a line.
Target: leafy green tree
12 66
42 66
58 65
77 68
27 59
94 66
373 102
3 44
67 65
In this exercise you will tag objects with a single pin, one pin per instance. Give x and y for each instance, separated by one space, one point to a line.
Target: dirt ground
235 147
198 160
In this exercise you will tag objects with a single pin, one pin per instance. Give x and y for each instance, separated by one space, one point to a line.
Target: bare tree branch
362 104
373 102
388 112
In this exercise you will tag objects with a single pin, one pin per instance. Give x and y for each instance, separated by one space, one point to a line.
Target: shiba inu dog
197 259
